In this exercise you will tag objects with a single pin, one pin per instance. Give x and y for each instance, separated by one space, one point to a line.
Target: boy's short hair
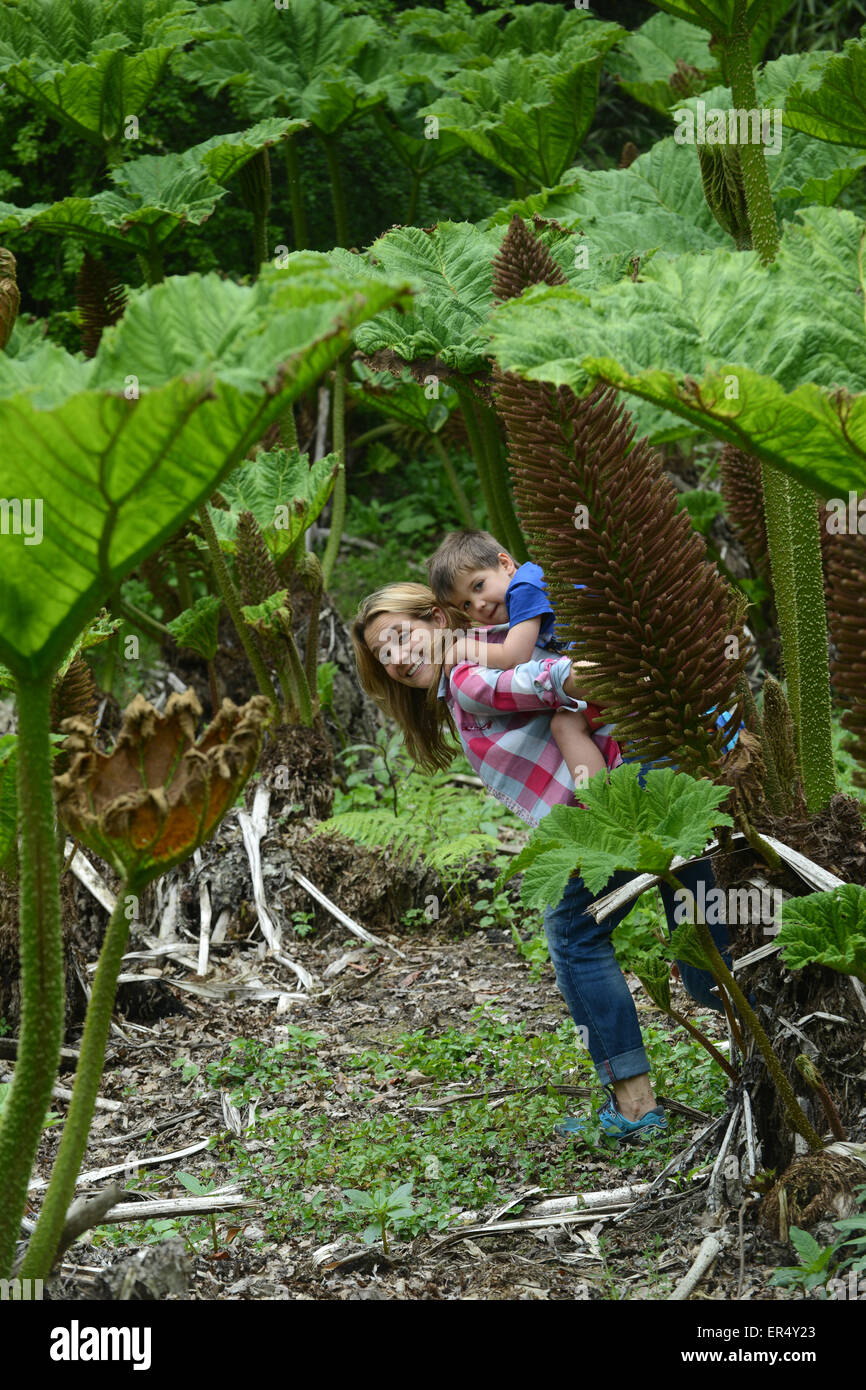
460 552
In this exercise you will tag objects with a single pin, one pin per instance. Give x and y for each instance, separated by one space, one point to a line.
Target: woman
503 719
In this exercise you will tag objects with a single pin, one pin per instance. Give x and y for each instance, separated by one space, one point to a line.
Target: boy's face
480 593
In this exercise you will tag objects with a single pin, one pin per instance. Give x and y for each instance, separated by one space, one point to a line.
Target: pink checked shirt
503 719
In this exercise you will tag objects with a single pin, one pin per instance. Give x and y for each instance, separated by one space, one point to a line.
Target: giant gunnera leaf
103 459
91 63
305 60
770 359
154 197
663 61
829 99
826 929
528 114
623 826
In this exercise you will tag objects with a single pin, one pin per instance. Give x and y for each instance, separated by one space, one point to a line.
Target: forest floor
346 1084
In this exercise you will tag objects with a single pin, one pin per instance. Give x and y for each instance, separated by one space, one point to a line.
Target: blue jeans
591 982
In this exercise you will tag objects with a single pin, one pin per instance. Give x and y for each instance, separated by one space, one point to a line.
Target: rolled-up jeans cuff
624 1065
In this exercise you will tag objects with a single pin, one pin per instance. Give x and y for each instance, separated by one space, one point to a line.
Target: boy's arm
518 646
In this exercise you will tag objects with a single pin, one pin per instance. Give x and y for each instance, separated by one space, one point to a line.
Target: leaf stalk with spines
811 1075
791 1106
338 507
41 954
64 1174
791 509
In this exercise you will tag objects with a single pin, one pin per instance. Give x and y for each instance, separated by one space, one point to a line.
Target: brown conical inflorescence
101 300
743 493
662 627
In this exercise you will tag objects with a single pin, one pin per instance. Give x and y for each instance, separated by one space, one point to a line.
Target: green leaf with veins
826 929
528 115
768 358
725 18
91 63
284 492
622 826
196 627
216 363
829 99
155 196
306 60
647 59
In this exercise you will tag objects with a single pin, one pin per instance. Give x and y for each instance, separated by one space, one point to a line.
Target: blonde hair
422 716
459 553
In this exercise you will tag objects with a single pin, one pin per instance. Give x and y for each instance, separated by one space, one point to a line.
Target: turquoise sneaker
614 1125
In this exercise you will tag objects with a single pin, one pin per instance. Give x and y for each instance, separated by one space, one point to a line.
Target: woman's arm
570 684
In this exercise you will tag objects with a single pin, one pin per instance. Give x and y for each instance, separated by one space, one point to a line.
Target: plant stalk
461 501
793 1111
338 508
727 1067
232 602
61 1186
41 953
338 195
811 1075
296 193
497 467
756 180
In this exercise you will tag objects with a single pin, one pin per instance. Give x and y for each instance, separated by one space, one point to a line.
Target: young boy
470 571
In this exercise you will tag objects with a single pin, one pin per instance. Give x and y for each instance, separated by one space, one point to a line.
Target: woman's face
410 649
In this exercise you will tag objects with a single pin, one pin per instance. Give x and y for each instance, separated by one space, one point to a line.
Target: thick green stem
260 240
41 953
792 528
772 786
464 509
288 428
498 473
231 597
338 507
61 1187
296 193
338 195
756 180
793 1111
311 650
794 544
375 433
479 453
301 685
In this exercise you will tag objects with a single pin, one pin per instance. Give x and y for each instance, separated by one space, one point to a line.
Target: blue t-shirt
526 597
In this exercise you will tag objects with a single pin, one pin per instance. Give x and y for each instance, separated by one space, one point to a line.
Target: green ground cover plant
463 1157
